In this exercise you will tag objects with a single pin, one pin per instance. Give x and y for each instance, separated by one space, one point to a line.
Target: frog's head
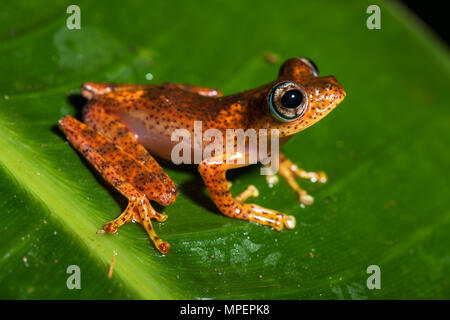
300 97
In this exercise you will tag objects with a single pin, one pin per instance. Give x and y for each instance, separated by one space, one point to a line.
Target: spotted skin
125 124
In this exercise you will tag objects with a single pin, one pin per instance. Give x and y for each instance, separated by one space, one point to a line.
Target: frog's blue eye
287 101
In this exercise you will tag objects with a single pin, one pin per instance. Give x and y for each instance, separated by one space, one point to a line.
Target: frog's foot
261 215
141 211
289 171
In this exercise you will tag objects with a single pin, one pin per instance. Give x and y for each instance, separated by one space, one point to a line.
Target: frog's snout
333 88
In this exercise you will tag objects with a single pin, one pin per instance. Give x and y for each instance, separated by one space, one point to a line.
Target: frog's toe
272 180
164 247
306 199
312 176
140 210
318 177
251 191
126 216
290 222
146 213
267 217
160 217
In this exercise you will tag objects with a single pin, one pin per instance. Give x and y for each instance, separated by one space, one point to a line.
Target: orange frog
125 123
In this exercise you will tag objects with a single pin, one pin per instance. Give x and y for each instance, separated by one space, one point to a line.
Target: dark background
434 14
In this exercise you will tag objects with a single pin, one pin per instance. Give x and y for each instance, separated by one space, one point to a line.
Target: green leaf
385 149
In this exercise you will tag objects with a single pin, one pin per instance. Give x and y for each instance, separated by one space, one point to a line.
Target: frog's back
154 112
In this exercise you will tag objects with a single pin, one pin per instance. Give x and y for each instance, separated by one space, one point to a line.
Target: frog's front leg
213 172
290 171
127 167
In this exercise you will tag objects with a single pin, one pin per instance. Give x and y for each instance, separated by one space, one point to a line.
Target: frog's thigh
164 190
289 171
213 173
121 171
95 89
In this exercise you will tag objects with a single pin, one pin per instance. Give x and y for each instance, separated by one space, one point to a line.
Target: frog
125 127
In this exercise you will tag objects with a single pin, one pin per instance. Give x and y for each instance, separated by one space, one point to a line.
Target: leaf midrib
70 213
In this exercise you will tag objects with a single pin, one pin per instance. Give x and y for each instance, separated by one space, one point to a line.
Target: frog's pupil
292 99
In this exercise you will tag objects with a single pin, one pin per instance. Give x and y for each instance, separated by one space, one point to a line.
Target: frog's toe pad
272 180
110 227
321 177
290 222
306 199
163 247
160 217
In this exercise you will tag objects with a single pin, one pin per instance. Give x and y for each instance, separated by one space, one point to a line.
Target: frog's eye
311 65
288 101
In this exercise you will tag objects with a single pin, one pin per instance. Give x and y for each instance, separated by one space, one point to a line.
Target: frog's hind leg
289 171
113 128
203 91
134 179
91 90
